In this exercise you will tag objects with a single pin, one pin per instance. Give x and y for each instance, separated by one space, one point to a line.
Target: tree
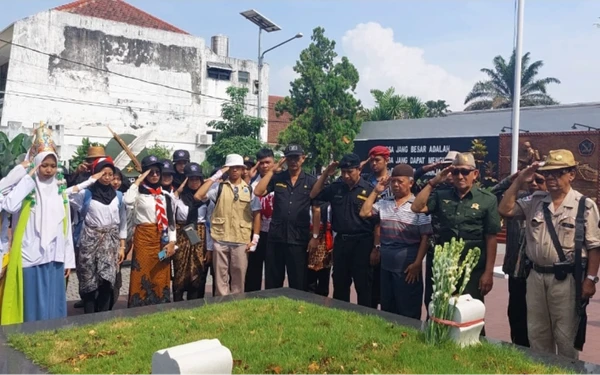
13 152
436 108
239 133
497 92
81 152
324 110
160 151
391 106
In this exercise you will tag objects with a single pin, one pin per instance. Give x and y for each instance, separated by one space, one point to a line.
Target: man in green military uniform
465 212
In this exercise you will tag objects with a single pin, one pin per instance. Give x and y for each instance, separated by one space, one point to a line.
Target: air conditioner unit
203 139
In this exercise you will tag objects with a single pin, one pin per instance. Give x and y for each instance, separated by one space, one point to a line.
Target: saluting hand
441 177
365 162
142 177
33 170
382 184
98 175
528 172
181 187
331 168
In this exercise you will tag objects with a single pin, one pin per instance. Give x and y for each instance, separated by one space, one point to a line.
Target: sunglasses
556 173
464 172
154 172
236 193
538 181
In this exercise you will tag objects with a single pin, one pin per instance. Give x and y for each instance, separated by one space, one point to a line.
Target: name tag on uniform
364 198
281 185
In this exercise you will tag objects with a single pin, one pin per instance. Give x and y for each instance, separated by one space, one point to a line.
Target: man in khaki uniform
552 318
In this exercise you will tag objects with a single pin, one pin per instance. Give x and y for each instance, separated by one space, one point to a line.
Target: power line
53 55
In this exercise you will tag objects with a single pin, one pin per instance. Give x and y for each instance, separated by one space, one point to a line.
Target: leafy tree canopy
392 106
81 152
239 132
321 103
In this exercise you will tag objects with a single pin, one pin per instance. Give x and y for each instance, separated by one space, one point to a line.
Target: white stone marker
200 357
468 310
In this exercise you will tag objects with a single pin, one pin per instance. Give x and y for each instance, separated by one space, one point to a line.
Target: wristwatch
377 247
315 236
595 279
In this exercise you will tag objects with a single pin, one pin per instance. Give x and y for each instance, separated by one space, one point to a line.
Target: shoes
78 304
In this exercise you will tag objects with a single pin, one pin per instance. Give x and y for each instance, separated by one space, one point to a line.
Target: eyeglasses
464 172
236 193
556 173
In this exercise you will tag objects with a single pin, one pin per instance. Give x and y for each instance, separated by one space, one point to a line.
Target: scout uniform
470 218
354 235
552 317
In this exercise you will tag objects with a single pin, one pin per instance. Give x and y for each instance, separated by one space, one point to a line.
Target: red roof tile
118 11
276 124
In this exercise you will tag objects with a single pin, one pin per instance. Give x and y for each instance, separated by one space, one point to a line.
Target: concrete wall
85 99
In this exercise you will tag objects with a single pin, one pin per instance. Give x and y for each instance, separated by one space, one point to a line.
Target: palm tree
391 106
497 92
437 108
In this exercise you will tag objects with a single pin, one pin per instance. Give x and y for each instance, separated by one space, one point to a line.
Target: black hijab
187 197
144 190
103 193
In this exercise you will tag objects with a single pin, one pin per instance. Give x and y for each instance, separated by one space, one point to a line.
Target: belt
547 269
347 237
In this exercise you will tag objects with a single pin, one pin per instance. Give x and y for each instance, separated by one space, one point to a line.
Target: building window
3 77
220 74
243 77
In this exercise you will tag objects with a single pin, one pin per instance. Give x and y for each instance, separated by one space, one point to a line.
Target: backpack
83 213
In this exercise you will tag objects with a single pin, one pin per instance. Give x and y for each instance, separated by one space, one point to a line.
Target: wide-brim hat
558 159
234 160
95 152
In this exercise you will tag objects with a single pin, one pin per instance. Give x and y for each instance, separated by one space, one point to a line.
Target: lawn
276 335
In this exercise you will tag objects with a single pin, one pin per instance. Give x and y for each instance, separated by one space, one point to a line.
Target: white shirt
60 249
100 215
144 208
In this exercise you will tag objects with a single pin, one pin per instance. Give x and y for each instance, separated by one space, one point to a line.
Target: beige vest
232 219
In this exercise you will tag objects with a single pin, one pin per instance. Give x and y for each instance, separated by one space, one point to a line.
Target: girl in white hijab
44 242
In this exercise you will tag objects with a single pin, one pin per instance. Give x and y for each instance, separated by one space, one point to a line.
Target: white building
92 63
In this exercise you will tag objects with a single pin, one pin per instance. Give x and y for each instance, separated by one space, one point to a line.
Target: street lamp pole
261 57
516 105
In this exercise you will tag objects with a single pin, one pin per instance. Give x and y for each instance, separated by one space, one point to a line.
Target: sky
430 49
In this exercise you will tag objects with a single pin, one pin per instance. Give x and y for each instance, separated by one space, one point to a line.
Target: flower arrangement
447 272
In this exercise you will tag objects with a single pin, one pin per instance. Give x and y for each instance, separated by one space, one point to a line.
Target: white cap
234 160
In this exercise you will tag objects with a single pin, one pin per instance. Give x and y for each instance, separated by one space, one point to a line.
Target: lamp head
574 126
299 35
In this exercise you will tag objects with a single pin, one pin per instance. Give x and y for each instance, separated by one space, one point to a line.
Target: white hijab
49 205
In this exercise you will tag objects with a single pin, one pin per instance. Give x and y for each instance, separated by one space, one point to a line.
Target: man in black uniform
181 158
289 232
353 243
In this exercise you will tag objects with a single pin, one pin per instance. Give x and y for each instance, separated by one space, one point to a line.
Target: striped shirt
401 229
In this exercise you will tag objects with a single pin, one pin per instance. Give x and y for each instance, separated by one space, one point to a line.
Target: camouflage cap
558 159
464 159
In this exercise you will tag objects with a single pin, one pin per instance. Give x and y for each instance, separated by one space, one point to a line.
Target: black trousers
256 262
318 281
351 263
282 256
400 297
98 300
376 288
517 310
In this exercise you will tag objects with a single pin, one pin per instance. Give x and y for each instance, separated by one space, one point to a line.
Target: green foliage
160 151
497 92
322 105
13 152
239 134
81 152
233 145
235 122
391 106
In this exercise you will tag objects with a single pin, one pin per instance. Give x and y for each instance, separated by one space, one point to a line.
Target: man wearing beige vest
234 227
559 285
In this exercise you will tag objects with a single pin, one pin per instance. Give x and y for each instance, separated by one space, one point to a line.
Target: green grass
267 336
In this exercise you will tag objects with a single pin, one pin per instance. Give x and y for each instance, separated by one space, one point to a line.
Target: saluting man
353 242
465 212
552 300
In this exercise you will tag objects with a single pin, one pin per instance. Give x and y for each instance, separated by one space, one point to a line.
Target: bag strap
552 231
579 239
